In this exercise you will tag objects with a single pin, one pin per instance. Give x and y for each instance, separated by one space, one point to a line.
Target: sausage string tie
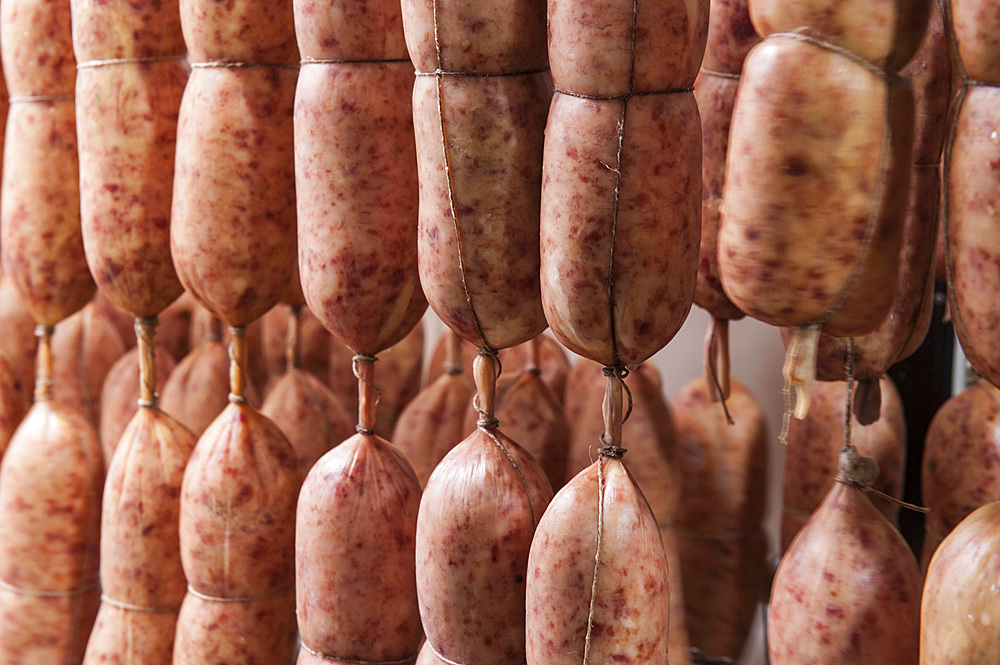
237 364
91 64
27 99
487 420
340 61
139 608
448 661
225 64
145 333
722 75
359 661
366 416
244 599
86 587
43 371
717 348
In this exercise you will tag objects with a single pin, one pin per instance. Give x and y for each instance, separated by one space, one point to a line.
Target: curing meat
534 417
716 97
904 328
237 524
84 347
357 596
652 452
906 325
832 165
479 171
586 602
197 389
142 580
434 420
40 208
731 35
730 38
959 621
884 32
232 233
976 27
553 361
49 537
357 203
609 292
356 177
127 124
309 414
290 329
959 466
848 589
474 530
972 245
399 370
717 526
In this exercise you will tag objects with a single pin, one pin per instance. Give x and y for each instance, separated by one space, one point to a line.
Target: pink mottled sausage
237 522
479 105
399 369
848 589
309 414
142 580
127 125
583 609
356 173
40 209
976 26
959 621
722 469
232 231
84 348
355 539
197 389
474 531
960 470
620 171
433 422
833 163
884 32
972 246
313 350
49 537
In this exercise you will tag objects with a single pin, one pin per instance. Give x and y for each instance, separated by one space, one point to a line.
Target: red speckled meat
847 590
620 195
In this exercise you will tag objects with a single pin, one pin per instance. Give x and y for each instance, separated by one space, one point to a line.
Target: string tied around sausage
44 387
226 64
86 587
145 333
361 429
352 61
407 660
240 599
153 609
151 59
486 418
29 99
237 364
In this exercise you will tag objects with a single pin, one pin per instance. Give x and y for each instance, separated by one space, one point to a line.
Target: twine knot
361 429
